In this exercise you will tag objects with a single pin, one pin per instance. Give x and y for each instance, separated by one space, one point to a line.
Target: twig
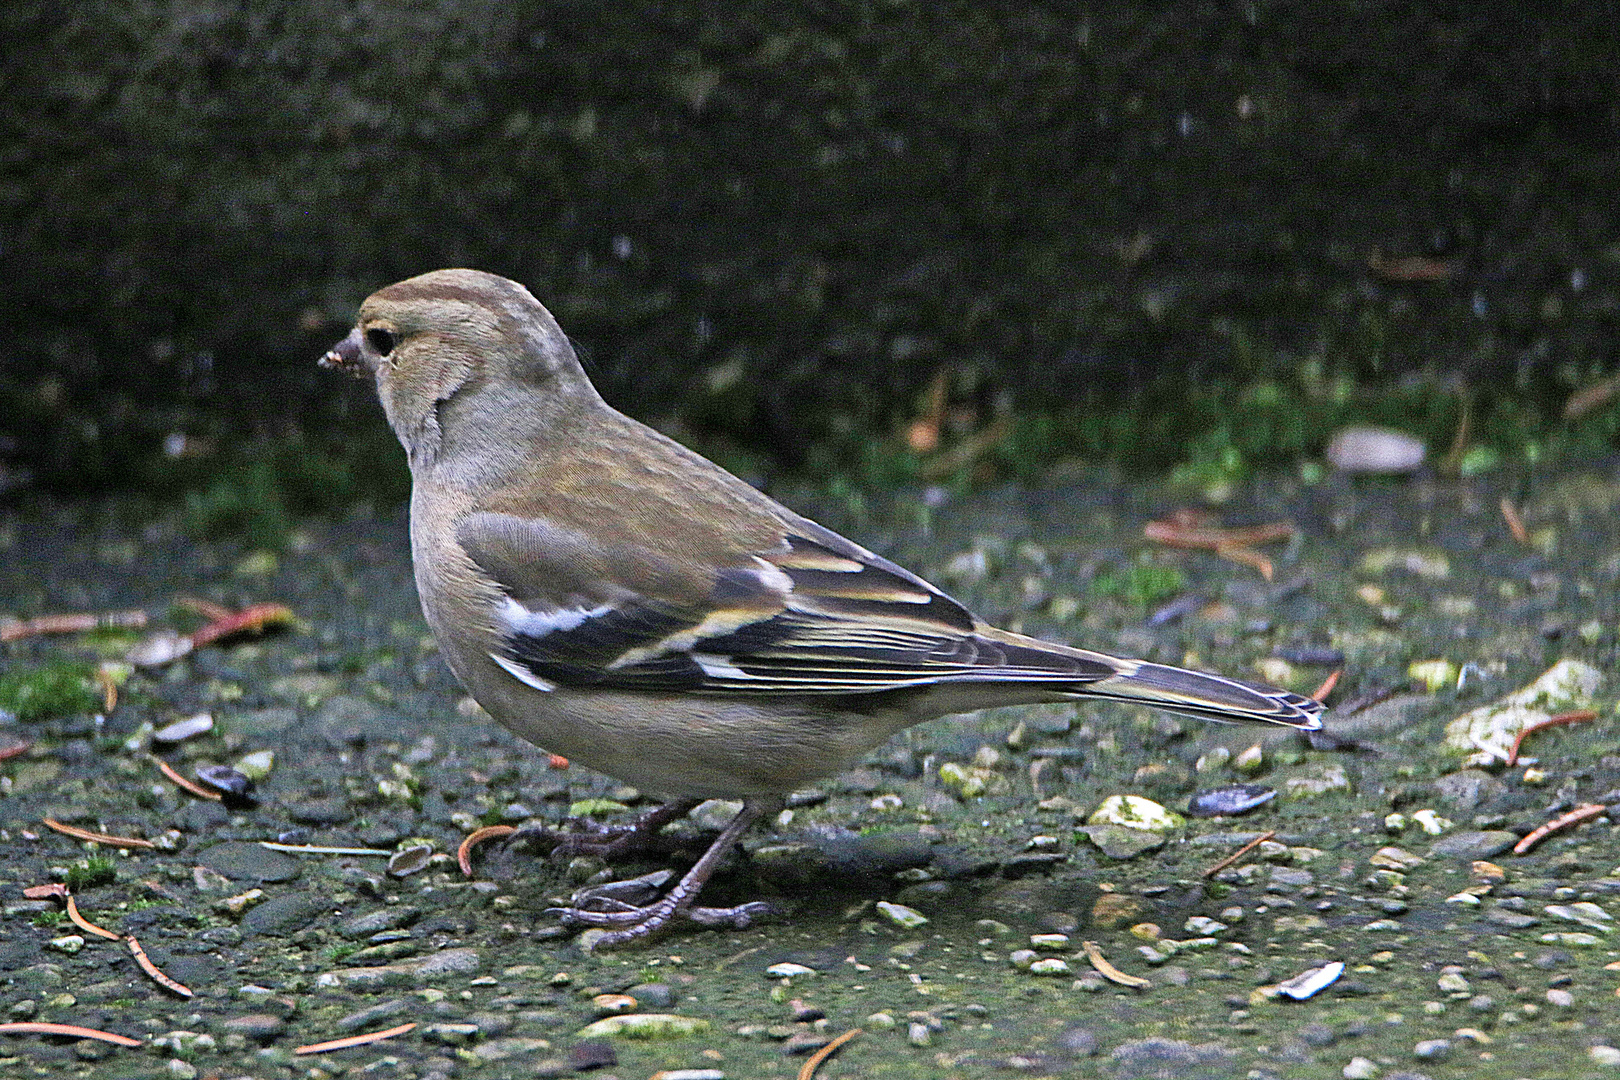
180 781
1579 716
1515 523
1215 537
69 624
151 969
72 1031
353 1040
1239 853
808 1071
1558 824
97 837
1109 971
473 839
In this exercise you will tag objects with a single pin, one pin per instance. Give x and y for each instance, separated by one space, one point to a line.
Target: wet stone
1474 844
240 861
327 811
1513 920
653 995
1468 789
375 922
286 914
1119 842
375 1015
261 1027
510 1046
450 962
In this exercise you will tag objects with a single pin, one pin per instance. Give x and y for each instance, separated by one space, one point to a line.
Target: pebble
1474 844
1432 1050
1559 998
1361 1068
1513 920
1229 801
1605 1055
904 917
261 1027
645 1026
181 730
1374 450
788 970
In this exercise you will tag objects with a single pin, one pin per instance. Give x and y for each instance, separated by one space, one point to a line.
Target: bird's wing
817 614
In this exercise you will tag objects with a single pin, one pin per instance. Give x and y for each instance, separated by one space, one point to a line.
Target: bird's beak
348 355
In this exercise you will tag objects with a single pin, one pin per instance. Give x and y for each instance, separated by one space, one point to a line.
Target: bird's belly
696 746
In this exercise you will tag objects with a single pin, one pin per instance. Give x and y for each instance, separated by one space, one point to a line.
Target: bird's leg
613 841
634 922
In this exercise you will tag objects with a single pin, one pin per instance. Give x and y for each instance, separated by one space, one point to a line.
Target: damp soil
1460 957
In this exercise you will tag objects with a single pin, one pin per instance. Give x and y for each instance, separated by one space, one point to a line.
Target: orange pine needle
1559 824
74 1031
1182 533
188 785
1579 716
808 1071
152 971
97 837
1327 686
473 839
353 1040
1515 523
1109 971
254 618
83 923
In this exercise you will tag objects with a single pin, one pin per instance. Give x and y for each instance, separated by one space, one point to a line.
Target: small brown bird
609 595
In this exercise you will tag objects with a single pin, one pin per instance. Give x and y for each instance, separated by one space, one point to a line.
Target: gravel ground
937 897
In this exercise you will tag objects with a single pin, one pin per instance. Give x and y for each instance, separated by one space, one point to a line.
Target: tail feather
1207 696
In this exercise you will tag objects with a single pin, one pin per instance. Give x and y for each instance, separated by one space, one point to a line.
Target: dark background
776 229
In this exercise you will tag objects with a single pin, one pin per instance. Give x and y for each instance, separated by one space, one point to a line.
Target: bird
612 596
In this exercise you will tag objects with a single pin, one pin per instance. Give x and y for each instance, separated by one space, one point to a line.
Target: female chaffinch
608 594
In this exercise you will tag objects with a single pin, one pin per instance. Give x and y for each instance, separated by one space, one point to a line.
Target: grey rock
241 861
1473 844
286 914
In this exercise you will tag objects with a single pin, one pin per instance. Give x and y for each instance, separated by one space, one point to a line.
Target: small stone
1053 966
1607 1056
592 1054
1473 844
1361 1068
904 917
1432 1050
1513 920
260 1027
1560 998
880 1021
788 970
917 1034
645 1026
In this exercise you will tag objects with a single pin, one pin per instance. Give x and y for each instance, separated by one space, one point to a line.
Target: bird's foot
610 906
625 911
610 842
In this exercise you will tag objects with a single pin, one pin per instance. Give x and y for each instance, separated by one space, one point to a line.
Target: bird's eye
381 340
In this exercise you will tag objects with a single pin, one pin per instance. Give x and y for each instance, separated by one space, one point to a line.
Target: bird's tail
1210 697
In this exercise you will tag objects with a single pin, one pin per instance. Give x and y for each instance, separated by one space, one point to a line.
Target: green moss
95 870
55 689
1141 585
49 920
